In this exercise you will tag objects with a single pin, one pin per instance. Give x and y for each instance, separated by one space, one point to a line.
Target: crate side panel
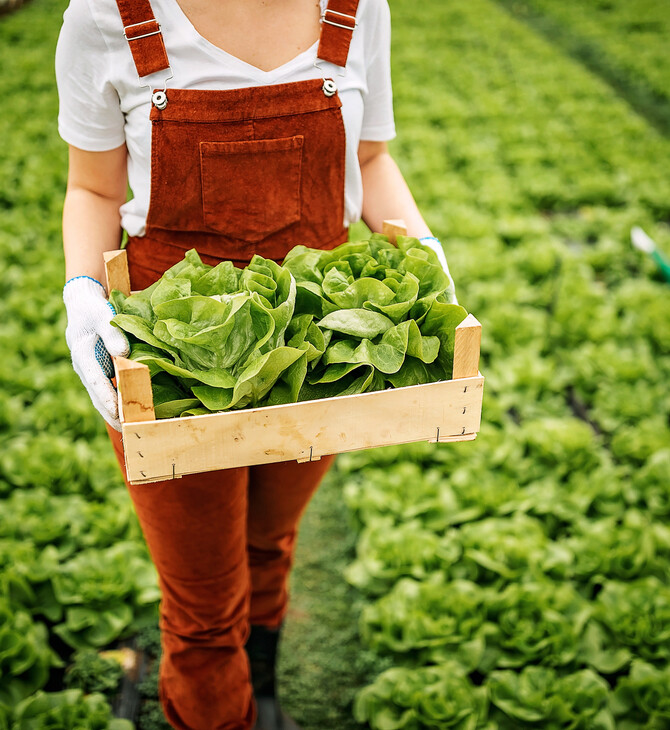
174 447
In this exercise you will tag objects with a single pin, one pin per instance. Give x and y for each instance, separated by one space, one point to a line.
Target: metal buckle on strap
145 35
324 19
159 98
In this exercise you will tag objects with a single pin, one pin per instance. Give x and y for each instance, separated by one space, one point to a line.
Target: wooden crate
445 411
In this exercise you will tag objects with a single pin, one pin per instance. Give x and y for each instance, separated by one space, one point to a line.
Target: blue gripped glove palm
435 245
92 340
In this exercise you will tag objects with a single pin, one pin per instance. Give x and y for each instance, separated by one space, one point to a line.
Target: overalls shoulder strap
337 29
143 33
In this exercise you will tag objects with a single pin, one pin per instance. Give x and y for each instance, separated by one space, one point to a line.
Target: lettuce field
518 581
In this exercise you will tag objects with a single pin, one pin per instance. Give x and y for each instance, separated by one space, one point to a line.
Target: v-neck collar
245 68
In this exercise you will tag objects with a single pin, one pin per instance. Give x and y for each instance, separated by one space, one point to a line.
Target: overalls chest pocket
251 188
253 170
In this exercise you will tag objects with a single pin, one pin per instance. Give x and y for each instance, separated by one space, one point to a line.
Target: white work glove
434 243
92 339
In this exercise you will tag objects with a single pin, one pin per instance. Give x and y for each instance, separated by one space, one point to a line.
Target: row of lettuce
624 40
74 573
522 581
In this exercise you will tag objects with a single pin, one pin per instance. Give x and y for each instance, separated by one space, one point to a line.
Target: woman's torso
197 63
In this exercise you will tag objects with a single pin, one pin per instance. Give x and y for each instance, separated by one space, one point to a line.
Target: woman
242 127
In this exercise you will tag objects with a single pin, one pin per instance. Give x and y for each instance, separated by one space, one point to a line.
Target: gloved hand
435 244
92 339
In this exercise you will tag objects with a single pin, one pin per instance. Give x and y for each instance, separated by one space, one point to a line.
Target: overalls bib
241 171
233 173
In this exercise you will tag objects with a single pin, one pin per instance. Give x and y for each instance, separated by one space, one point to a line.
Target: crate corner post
467 344
394 228
133 382
116 270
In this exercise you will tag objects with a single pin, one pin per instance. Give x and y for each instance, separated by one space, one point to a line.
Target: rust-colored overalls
233 173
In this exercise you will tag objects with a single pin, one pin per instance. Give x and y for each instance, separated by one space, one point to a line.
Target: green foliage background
534 135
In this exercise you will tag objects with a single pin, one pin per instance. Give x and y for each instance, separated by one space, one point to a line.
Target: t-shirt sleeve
378 122
89 115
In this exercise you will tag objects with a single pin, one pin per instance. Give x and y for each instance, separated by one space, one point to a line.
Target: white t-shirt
103 104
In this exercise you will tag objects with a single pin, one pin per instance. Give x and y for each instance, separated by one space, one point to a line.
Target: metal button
329 87
159 99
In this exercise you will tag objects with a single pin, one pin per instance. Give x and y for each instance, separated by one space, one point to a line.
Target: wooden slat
116 268
393 228
173 447
136 401
466 348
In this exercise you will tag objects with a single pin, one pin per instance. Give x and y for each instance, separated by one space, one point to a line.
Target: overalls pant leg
223 545
278 495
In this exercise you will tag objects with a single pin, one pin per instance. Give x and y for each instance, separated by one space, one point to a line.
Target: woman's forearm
91 220
91 225
385 192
